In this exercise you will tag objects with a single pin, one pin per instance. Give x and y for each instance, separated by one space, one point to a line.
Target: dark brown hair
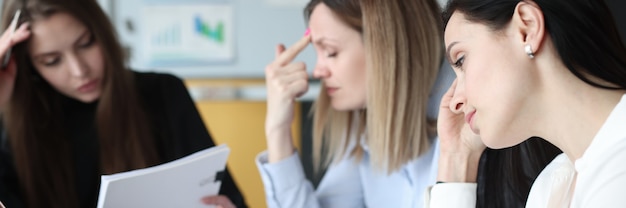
34 120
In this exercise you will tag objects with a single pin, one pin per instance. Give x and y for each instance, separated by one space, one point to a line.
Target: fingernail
307 32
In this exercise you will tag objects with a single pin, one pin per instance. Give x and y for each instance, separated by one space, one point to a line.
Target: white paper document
180 183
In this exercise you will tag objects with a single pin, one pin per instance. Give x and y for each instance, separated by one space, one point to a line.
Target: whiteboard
258 25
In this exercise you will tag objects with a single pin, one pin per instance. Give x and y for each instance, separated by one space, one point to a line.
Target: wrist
458 167
279 145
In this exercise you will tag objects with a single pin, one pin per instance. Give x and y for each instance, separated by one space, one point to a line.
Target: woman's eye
459 62
88 43
331 55
50 61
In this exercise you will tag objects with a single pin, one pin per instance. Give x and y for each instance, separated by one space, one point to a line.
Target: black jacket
178 128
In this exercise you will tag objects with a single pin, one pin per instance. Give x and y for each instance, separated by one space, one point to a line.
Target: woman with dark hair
554 69
72 110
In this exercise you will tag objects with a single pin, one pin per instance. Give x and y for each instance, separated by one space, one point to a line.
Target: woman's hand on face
460 148
219 201
285 81
7 74
455 134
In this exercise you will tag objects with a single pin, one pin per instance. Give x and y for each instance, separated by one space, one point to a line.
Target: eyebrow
322 40
83 35
448 51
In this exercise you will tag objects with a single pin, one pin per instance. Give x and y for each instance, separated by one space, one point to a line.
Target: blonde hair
403 48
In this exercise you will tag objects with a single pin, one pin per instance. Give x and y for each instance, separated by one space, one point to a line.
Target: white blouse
597 179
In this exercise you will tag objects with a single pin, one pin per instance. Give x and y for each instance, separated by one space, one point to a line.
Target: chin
499 141
339 106
88 98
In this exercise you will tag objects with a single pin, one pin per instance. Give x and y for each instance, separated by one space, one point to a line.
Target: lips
331 90
89 86
469 118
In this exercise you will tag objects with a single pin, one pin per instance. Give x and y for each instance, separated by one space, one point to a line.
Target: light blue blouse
356 184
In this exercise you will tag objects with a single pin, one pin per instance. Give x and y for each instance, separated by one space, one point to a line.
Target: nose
458 98
320 72
76 66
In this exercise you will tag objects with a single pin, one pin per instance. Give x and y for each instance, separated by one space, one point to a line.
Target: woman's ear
529 25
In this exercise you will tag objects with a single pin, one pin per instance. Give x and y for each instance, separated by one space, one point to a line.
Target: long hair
403 48
506 175
34 116
587 41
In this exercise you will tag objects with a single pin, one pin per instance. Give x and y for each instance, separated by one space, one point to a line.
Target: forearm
458 167
458 170
279 144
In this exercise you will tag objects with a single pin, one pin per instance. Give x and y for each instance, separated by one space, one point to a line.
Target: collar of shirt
609 134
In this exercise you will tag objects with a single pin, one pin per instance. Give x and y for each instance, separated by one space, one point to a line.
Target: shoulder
154 79
560 169
160 91
605 166
601 179
560 163
154 85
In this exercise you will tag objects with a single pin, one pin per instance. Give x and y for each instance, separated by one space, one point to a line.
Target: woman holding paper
374 125
72 110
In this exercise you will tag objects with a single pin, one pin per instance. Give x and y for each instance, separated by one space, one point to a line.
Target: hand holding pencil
10 38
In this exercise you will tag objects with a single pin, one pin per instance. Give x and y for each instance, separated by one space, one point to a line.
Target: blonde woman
378 62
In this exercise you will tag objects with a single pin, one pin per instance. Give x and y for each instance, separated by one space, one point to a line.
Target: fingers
17 36
450 92
219 201
22 33
301 86
451 101
447 97
290 53
283 74
10 38
291 75
290 81
280 48
294 85
457 98
273 72
284 82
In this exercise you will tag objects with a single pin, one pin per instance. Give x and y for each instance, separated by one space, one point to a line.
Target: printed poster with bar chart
187 34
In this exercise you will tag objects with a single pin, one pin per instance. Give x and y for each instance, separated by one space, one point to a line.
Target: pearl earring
529 51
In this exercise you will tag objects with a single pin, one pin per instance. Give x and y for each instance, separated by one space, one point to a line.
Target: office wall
231 96
258 26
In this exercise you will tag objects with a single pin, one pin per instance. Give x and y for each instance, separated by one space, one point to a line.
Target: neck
573 111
